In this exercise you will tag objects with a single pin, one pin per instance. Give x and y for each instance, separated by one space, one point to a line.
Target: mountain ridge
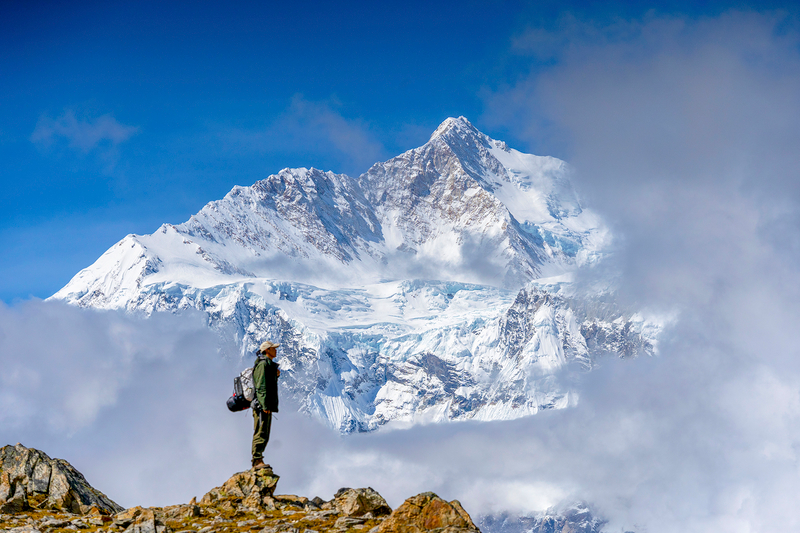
306 217
434 287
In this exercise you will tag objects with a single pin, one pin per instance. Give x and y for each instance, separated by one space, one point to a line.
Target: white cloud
81 135
123 399
681 131
702 438
322 131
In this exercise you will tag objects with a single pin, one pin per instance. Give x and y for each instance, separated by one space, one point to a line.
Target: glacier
437 286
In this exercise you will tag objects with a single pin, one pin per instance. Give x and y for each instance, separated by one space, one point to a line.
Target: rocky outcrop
140 520
249 490
428 512
245 503
29 479
360 502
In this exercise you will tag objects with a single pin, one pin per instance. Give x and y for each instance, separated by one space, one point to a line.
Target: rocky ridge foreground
29 479
245 503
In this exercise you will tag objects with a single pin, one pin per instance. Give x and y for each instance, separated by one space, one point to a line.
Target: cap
267 345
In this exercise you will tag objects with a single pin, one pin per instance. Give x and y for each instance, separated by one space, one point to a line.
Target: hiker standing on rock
265 382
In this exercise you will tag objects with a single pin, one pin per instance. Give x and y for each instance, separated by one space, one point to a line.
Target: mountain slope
434 287
461 207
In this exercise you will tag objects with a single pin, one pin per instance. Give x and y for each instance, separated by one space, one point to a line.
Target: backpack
244 391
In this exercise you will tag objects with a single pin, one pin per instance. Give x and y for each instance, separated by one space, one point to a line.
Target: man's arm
260 383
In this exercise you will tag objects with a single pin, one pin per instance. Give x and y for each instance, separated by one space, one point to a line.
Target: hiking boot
258 464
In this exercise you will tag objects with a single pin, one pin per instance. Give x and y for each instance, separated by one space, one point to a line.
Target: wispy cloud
681 131
83 135
317 130
124 399
98 138
702 438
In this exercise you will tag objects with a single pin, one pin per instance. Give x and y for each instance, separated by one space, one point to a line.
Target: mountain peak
400 265
460 126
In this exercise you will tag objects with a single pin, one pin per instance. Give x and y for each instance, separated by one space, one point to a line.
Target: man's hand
279 372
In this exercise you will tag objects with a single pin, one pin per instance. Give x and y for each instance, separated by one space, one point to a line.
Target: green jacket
265 381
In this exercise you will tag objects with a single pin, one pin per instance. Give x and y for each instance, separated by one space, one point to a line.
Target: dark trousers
261 425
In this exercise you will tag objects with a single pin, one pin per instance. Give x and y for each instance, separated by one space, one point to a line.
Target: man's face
271 352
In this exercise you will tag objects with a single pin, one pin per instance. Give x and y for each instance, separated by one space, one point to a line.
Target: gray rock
54 522
347 521
321 515
17 499
29 478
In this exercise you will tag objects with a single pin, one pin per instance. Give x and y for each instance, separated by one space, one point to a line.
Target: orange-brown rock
292 500
42 495
427 512
252 489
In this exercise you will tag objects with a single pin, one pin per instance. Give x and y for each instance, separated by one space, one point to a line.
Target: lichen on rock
428 512
30 479
359 502
250 489
43 495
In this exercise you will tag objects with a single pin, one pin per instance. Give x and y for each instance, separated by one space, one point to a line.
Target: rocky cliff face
245 503
30 480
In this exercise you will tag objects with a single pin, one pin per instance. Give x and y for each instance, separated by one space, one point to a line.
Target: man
265 382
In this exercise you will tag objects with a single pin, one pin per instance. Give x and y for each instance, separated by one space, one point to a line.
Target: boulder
291 501
140 520
252 489
29 479
359 502
428 512
190 510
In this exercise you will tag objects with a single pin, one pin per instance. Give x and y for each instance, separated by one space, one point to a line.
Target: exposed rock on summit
29 479
251 490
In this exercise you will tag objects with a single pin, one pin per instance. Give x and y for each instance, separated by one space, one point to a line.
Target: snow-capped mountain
575 518
433 287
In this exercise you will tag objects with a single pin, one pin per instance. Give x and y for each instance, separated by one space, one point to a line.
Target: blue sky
117 118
